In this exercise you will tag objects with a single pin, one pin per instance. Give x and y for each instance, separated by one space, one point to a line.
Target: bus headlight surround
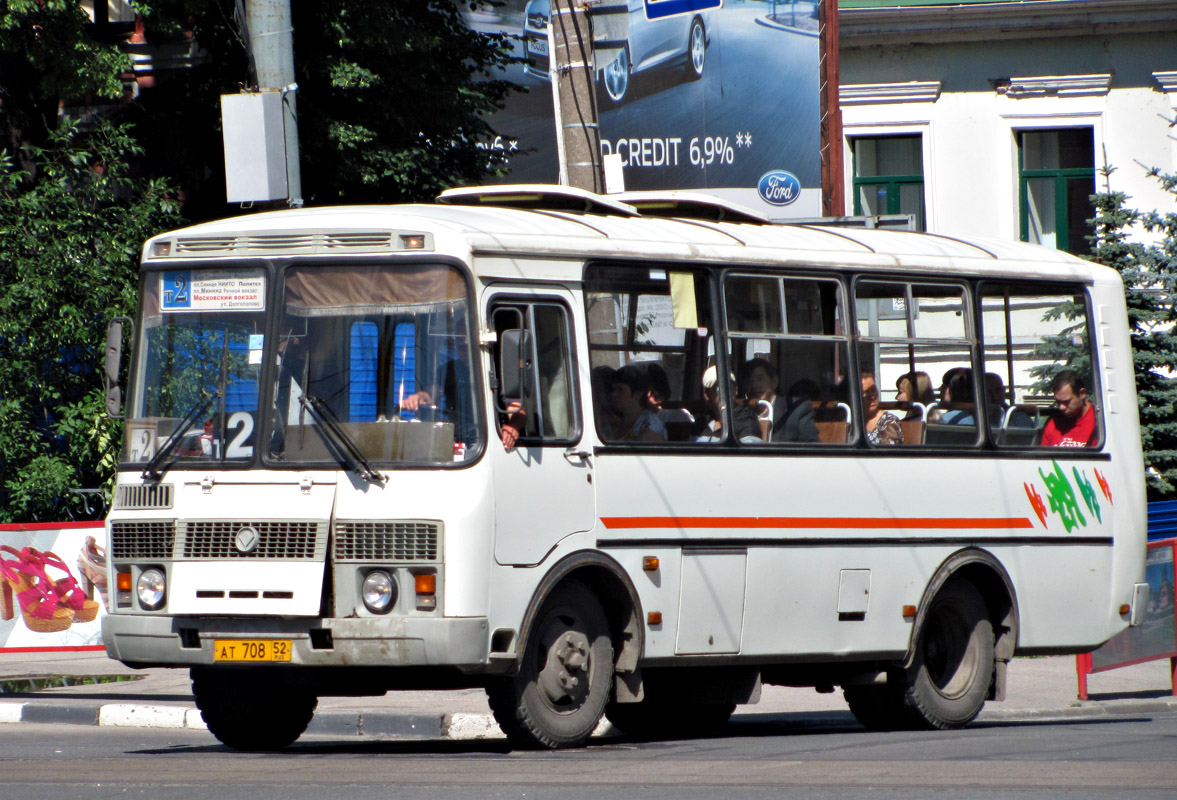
378 591
151 589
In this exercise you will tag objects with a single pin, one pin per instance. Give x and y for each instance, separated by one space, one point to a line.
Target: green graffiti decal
1062 498
1088 492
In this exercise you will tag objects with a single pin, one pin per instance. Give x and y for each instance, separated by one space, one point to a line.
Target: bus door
543 485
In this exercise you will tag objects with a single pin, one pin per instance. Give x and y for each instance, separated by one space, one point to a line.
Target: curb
474 727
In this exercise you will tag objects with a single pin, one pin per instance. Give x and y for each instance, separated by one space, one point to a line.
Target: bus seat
913 431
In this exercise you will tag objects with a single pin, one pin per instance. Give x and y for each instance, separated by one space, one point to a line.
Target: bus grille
387 540
145 496
278 539
142 539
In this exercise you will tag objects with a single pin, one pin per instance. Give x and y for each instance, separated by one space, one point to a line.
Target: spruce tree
1149 271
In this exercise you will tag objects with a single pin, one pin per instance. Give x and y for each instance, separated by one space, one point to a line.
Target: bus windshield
196 388
374 362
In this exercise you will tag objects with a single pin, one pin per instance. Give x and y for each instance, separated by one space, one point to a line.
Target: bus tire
879 707
250 711
949 678
664 720
559 693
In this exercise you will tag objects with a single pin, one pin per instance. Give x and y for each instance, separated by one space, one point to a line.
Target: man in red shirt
1074 425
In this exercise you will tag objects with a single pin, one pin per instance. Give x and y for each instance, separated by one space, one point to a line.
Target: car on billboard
652 33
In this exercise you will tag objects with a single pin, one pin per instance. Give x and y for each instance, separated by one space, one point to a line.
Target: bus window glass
1031 335
549 410
371 352
786 338
915 342
201 340
648 359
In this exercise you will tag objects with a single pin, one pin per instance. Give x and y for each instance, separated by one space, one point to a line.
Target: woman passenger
882 427
915 387
627 399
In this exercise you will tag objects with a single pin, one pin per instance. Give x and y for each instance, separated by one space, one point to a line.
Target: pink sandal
35 592
67 589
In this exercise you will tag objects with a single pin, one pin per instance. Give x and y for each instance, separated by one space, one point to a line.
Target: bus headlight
151 588
378 591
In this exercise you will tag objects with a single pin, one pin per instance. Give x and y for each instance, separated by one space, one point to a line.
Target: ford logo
779 187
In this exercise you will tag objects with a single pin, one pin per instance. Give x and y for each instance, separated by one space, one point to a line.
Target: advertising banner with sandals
52 586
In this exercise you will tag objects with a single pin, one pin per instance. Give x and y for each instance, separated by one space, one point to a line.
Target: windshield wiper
152 470
338 440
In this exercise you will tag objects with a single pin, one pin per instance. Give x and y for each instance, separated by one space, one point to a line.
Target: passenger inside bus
635 422
882 427
745 423
1074 423
958 397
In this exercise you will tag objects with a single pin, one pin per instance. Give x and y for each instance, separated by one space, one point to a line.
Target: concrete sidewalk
1037 688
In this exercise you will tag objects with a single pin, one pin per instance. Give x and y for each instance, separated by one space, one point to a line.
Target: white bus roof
487 231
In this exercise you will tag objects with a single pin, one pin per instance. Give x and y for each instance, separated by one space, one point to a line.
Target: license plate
537 46
251 650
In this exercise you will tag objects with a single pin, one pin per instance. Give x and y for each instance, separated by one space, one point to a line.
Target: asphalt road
1110 757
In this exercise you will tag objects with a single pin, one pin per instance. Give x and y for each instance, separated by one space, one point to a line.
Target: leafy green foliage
1149 272
392 99
69 242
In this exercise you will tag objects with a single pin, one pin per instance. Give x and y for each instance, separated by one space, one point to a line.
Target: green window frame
890 192
1054 191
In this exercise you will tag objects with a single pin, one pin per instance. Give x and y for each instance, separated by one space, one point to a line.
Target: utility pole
833 196
578 138
271 42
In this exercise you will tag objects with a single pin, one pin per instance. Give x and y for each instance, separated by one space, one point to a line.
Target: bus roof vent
536 197
691 205
261 243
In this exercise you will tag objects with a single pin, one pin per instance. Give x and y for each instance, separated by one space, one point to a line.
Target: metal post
573 93
271 40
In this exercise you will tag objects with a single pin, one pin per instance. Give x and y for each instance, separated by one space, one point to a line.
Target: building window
889 176
1056 170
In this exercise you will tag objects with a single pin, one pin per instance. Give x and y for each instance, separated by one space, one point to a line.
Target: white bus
714 482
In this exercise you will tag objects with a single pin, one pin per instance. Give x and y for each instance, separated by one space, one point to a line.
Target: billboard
53 580
717 96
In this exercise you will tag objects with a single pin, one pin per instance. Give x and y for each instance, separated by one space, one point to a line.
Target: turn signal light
909 612
123 581
654 618
426 585
1125 610
650 563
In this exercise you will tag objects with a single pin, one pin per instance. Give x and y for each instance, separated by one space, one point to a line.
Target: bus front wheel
252 710
559 693
949 679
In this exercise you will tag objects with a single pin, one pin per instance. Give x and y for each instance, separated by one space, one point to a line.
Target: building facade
998 118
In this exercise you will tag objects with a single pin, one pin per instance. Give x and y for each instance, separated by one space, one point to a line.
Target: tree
69 242
392 98
1149 272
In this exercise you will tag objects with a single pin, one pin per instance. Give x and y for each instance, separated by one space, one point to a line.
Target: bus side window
549 409
1031 334
650 343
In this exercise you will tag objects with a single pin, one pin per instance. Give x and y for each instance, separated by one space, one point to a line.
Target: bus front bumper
147 641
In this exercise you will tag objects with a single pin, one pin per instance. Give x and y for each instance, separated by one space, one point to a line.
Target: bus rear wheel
949 679
252 709
557 697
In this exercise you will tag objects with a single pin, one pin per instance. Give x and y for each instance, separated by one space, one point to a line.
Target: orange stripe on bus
843 523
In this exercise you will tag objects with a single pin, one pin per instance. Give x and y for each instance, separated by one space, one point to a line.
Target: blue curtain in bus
404 363
365 348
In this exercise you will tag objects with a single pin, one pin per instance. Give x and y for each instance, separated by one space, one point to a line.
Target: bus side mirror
114 360
515 364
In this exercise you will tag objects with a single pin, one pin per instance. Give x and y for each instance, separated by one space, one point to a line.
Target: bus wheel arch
964 635
985 572
580 636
